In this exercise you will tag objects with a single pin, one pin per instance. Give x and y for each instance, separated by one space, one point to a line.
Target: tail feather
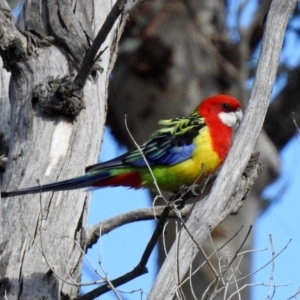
97 178
128 179
84 181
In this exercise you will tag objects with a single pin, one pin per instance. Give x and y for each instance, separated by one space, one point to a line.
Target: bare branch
229 282
295 295
89 59
220 202
141 268
272 271
94 232
255 284
238 251
270 261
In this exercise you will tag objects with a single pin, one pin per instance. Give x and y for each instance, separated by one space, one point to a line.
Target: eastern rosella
183 151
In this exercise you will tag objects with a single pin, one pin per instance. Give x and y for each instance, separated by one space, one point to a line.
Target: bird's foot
189 191
185 192
177 202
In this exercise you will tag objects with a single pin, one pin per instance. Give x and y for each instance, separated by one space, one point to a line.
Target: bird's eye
226 106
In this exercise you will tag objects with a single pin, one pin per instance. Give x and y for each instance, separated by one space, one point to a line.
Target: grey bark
38 233
4 117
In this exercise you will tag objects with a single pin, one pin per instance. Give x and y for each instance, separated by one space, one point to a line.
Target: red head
221 113
221 108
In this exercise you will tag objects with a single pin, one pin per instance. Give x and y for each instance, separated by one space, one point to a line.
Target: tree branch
94 232
220 203
140 269
120 7
90 57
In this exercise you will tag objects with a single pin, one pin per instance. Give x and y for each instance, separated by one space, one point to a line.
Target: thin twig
89 262
91 56
146 162
241 246
295 123
295 295
197 245
233 270
207 258
255 284
43 253
228 241
108 281
150 213
190 280
226 281
272 270
253 250
218 278
266 264
140 269
179 291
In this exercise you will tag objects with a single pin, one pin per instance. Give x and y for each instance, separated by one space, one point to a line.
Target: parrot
182 152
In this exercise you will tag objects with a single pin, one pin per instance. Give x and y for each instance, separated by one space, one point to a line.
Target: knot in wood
12 49
59 96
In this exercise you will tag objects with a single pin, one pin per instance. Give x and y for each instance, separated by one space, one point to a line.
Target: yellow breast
203 162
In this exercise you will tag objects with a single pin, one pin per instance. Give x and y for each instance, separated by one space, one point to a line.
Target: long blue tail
84 181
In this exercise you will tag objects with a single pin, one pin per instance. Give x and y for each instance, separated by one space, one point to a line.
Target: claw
195 190
185 192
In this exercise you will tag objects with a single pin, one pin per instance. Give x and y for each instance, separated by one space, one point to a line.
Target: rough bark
38 233
4 117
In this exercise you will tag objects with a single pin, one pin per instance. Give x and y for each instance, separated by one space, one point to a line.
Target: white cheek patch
232 118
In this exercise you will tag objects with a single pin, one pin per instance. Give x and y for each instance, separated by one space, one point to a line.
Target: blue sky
282 221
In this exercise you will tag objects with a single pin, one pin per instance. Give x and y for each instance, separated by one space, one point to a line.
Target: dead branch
89 59
220 202
141 268
94 232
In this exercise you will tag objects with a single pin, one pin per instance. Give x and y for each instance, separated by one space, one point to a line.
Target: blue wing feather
171 144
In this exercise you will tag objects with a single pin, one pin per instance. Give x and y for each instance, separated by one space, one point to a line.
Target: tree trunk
41 235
